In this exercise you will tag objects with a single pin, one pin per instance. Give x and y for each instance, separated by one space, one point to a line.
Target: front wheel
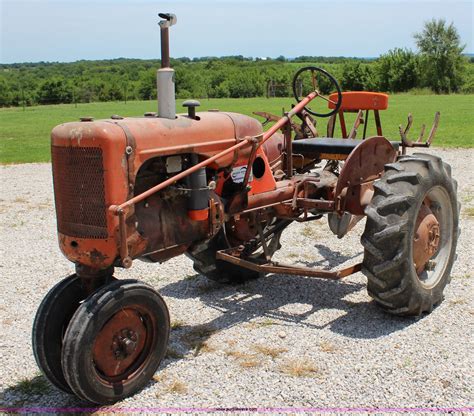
115 341
411 234
51 321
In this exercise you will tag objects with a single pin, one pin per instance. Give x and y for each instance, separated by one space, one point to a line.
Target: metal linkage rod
286 118
179 176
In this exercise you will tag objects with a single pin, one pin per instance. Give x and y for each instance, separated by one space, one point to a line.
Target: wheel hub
125 343
426 238
119 344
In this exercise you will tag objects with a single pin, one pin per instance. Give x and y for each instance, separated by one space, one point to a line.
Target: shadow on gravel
38 394
261 302
330 259
267 297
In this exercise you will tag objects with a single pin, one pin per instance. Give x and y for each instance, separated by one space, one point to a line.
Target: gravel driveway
279 341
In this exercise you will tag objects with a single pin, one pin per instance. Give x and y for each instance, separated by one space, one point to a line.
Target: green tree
354 76
115 91
190 83
55 91
6 96
147 85
85 92
221 90
397 70
245 83
442 61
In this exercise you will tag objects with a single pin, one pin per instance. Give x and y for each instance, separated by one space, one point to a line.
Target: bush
397 71
6 96
468 86
55 91
355 76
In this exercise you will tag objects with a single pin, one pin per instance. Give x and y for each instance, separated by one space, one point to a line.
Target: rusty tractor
217 187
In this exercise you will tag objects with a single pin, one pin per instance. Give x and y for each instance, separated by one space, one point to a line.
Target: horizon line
248 58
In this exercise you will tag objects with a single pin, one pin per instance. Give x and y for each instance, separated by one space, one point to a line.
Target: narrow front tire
115 342
50 324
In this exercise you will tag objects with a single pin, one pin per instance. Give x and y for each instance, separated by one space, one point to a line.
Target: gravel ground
279 341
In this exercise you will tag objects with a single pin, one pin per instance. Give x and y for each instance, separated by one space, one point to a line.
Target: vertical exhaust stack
165 75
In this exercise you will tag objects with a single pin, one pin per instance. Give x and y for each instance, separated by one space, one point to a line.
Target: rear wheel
411 234
205 262
115 341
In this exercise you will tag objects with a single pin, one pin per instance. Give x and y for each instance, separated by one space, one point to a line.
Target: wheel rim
123 346
433 237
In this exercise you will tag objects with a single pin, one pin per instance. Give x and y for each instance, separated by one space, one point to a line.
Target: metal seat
360 100
357 102
327 146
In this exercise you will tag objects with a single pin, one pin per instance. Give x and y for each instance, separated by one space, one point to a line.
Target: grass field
24 135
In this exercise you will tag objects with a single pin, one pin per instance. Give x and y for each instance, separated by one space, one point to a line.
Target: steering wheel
312 78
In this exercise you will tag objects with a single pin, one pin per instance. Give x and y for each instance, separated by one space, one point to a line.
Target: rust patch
97 257
364 165
426 238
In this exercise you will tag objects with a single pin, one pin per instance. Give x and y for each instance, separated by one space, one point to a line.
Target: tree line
438 65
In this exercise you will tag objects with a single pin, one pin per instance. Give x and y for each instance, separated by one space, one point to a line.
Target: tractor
218 188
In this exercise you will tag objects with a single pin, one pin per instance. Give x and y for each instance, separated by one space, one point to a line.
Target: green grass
28 386
24 135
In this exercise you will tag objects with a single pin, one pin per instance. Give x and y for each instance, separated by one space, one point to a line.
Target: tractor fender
364 165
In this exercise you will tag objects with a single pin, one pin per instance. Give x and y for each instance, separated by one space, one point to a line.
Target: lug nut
430 266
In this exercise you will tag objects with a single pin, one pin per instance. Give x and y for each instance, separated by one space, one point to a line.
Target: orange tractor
216 187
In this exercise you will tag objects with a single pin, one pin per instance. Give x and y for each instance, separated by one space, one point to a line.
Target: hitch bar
232 256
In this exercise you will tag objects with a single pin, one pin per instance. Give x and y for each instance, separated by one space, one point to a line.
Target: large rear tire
414 210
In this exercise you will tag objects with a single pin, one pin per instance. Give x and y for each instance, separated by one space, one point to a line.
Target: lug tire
205 263
388 237
90 322
51 321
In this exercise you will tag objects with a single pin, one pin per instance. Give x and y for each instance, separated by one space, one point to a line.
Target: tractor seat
360 100
328 146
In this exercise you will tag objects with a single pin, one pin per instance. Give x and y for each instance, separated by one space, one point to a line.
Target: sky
70 30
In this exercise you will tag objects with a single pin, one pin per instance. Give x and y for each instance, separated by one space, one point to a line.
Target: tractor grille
78 176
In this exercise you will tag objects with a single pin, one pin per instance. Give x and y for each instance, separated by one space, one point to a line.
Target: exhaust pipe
165 75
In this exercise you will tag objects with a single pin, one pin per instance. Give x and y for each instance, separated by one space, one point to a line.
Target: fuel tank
95 164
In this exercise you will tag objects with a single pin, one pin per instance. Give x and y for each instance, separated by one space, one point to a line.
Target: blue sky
67 30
